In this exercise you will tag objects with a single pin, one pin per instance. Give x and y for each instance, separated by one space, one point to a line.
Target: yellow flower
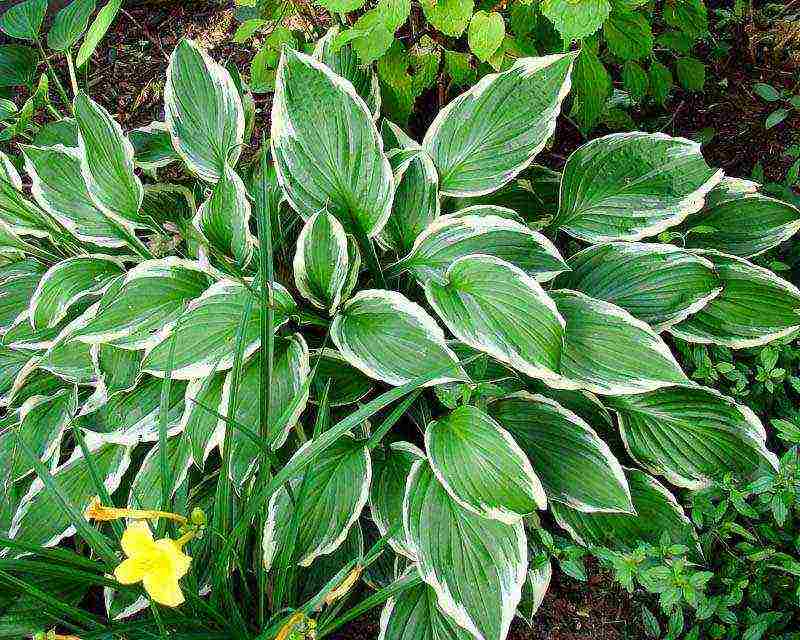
158 564
97 511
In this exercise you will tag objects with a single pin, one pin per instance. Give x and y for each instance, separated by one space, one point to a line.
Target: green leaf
690 16
629 186
117 369
450 17
146 485
608 351
24 20
657 514
628 34
341 6
575 466
497 308
327 151
458 66
68 282
17 65
767 91
69 24
741 222
205 334
754 308
453 546
486 230
321 260
486 33
677 41
331 503
776 117
247 29
592 87
660 82
537 582
151 295
486 136
576 19
414 613
659 284
635 81
691 73
390 338
204 112
692 435
11 363
200 423
17 284
482 467
97 30
152 146
348 384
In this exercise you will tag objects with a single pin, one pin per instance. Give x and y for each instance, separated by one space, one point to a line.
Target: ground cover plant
268 368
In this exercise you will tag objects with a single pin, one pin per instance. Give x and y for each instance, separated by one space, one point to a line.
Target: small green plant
783 101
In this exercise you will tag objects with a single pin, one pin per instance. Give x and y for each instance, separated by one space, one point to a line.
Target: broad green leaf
290 371
537 582
592 87
657 283
17 284
24 20
328 153
152 294
486 136
692 435
486 33
40 519
204 336
608 351
200 423
320 261
628 34
635 81
450 17
146 492
657 514
391 467
475 565
335 493
315 578
204 112
152 146
69 24
117 369
348 384
629 186
71 359
741 223
574 464
497 308
17 65
576 19
23 614
390 338
341 6
344 62
482 467
660 82
69 281
480 229
97 30
414 613
58 187
692 74
690 16
59 132
21 216
11 363
165 202
107 161
224 219
754 308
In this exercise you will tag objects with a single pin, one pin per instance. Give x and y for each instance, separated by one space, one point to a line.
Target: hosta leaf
754 308
165 202
152 146
41 520
629 186
97 30
17 284
486 136
497 308
692 435
204 337
58 187
414 613
657 514
17 65
316 577
69 24
11 363
118 369
146 492
348 384
107 161
657 283
537 582
479 230
608 351
71 359
450 17
482 467
67 282
17 213
320 261
327 151
344 62
200 423
224 219
151 295
741 223
290 373
390 338
390 472
24 19
335 493
576 19
203 112
475 565
575 466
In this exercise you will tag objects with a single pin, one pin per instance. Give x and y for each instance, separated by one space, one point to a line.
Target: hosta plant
363 357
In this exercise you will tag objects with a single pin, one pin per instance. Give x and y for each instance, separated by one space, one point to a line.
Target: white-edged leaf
348 384
200 423
486 136
321 261
146 492
24 19
18 281
97 30
152 146
629 186
69 24
328 153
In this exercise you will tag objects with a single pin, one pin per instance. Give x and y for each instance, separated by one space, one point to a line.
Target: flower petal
137 539
179 561
130 571
163 588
